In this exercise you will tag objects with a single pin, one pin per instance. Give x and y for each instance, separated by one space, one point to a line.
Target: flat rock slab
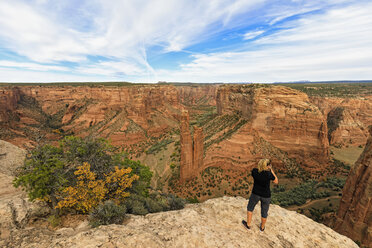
214 223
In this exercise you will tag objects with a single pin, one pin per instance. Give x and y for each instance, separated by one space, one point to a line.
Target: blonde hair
262 164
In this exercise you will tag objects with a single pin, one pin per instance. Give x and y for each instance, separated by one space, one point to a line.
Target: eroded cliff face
198 94
9 97
126 115
348 118
281 123
354 217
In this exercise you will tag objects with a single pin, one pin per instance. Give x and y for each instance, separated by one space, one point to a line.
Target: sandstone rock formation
192 150
186 163
197 94
283 118
15 209
214 223
11 158
8 102
348 118
198 147
127 115
354 217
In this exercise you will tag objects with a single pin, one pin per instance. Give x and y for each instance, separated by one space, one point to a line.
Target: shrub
107 213
54 220
175 202
192 200
42 174
48 172
135 204
89 191
153 206
138 208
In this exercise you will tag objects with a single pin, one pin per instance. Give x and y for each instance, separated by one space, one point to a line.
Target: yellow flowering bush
89 191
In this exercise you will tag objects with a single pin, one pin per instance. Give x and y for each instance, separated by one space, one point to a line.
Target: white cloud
328 46
253 34
317 46
31 66
122 30
14 75
111 68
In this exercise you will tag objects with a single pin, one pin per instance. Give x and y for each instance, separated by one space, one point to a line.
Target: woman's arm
276 181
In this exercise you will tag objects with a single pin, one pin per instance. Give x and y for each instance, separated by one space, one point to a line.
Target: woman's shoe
262 229
245 224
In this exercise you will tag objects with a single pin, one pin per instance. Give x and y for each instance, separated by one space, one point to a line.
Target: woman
262 175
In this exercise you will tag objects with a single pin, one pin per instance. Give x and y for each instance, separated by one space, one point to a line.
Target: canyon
185 132
232 125
214 223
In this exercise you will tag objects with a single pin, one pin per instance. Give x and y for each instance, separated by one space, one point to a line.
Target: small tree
86 194
43 175
89 191
49 170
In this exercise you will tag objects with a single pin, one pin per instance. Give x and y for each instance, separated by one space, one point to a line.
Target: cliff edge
214 223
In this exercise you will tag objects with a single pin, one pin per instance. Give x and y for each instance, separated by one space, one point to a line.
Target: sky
202 41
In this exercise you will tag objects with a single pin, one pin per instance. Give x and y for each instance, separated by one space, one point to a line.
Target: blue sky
185 40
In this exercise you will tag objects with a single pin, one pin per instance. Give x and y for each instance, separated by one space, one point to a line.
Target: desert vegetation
89 176
337 89
213 182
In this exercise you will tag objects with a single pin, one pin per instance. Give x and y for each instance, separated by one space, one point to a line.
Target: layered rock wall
282 116
348 118
126 115
9 97
197 94
354 217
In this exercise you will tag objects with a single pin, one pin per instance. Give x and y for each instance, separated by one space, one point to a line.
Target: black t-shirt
261 185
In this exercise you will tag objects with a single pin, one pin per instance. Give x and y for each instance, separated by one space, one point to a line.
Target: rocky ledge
214 223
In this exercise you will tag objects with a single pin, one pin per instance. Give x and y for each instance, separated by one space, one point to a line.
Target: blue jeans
265 203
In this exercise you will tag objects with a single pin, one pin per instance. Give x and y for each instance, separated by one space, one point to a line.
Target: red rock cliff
9 96
283 117
126 115
354 217
198 147
186 163
348 118
197 94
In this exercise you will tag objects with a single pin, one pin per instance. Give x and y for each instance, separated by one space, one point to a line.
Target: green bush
333 183
48 170
107 213
153 206
135 204
278 188
299 194
138 208
54 220
192 200
43 174
175 202
159 146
